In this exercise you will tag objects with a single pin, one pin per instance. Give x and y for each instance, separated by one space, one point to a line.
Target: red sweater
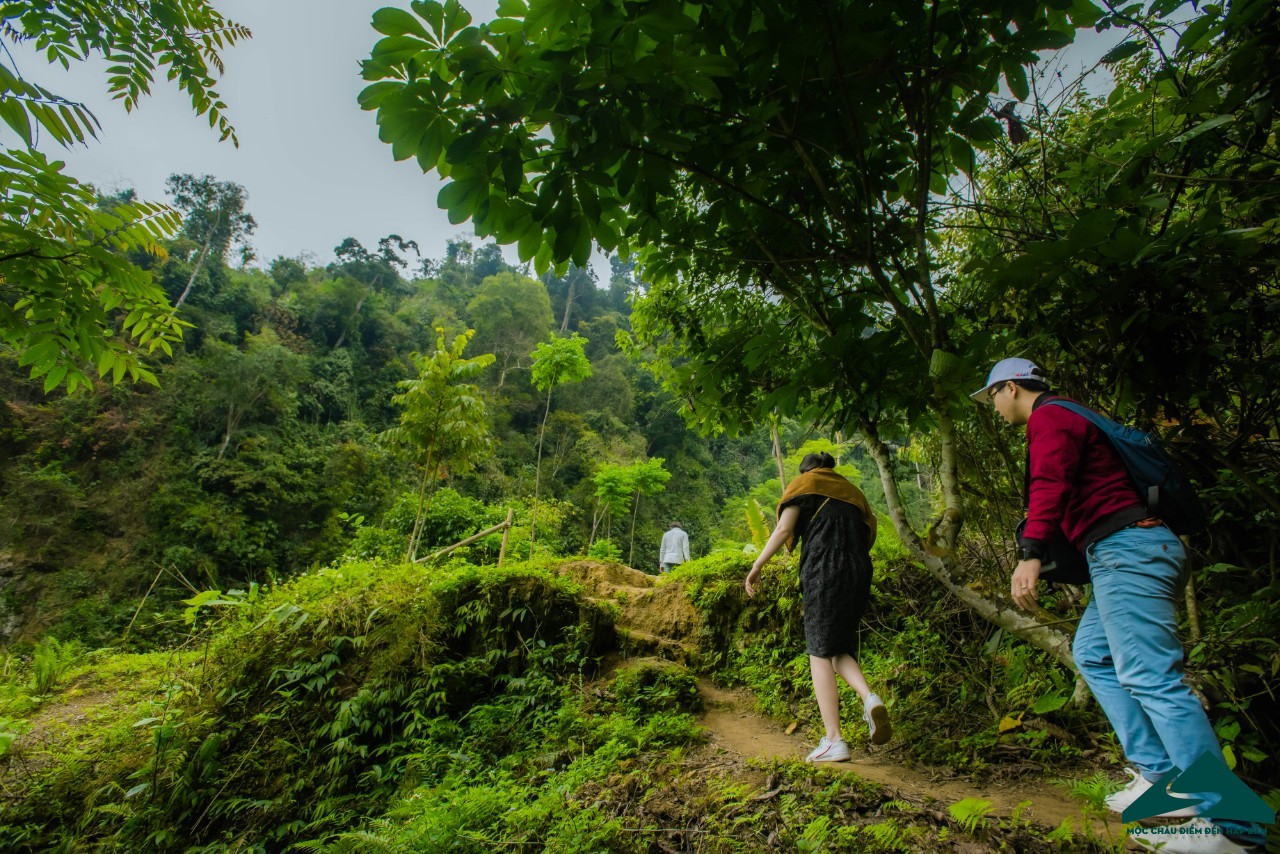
1077 481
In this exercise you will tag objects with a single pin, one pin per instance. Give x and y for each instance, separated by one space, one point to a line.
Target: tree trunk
204 253
568 303
354 314
506 532
1193 611
631 551
777 454
596 518
537 473
233 420
940 566
946 529
420 517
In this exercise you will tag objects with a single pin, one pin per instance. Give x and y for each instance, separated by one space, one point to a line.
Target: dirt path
735 727
661 619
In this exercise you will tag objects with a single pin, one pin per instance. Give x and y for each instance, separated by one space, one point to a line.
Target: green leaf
13 114
1015 74
529 244
1197 33
397 22
54 378
1050 703
983 130
458 196
1048 40
1207 125
581 254
398 50
1122 51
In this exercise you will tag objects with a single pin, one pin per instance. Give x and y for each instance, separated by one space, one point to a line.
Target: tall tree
67 295
213 218
380 270
613 493
647 479
511 314
749 153
556 361
264 373
443 419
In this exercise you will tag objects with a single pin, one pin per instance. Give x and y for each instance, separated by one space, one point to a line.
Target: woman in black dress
836 527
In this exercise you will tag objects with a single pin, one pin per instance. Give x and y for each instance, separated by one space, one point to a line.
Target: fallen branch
468 541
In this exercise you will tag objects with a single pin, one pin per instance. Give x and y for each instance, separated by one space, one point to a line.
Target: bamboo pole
501 526
503 549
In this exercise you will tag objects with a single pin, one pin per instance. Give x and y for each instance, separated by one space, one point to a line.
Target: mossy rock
651 685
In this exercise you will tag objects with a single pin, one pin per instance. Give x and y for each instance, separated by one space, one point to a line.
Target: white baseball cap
1012 368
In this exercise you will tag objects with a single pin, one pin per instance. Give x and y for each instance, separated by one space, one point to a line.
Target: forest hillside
363 553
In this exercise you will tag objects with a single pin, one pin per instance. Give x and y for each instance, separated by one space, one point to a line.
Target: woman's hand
753 577
780 535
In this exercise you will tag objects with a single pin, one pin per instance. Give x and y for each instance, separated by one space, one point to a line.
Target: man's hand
1023 586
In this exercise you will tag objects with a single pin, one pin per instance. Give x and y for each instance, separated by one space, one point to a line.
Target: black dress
835 573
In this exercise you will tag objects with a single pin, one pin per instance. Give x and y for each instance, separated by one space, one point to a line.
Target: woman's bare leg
825 689
849 669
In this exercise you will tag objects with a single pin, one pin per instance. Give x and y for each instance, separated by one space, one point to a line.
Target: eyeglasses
991 395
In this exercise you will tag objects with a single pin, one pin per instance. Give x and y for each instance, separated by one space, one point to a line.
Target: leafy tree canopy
560 360
65 288
510 313
213 219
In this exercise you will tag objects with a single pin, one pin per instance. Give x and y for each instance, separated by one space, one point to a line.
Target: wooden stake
503 550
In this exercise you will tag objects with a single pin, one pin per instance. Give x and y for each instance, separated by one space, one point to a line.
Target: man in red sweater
1127 645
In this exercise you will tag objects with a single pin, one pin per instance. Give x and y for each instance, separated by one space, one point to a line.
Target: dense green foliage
71 297
373 708
277 441
830 238
834 228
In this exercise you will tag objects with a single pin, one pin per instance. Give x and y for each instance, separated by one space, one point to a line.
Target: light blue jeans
1128 651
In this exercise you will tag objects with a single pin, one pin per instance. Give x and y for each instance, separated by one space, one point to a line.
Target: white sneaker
829 751
876 714
1137 786
1198 836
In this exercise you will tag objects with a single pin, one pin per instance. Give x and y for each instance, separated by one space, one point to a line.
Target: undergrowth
311 706
381 708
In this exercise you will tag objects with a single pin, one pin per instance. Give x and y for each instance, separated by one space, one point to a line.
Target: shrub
605 550
650 686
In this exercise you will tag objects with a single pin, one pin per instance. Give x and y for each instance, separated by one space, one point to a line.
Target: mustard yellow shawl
828 484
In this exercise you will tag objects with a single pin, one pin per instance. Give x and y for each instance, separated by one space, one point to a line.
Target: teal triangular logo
1156 801
1209 784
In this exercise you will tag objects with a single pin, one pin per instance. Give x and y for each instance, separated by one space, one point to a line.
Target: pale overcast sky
309 157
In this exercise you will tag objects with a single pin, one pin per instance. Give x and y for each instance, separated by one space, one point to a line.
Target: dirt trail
735 727
662 620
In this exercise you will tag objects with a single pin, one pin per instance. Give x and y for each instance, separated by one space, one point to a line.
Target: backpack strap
1109 431
1097 419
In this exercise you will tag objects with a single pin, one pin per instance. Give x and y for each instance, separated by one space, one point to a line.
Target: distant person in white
675 548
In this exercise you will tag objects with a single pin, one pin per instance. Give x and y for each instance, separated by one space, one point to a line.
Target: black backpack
1165 490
